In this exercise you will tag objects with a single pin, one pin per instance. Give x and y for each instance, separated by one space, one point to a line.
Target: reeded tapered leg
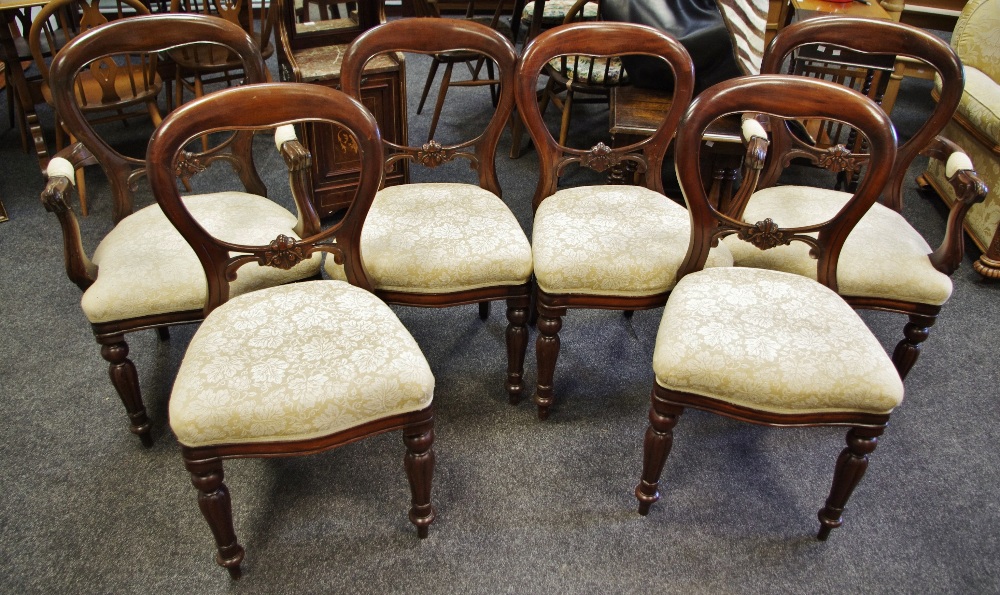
907 351
851 466
213 499
484 310
126 381
655 449
517 346
546 353
419 463
163 333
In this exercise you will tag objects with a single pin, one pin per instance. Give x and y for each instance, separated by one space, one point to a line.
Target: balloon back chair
439 244
886 264
142 275
610 246
296 369
769 347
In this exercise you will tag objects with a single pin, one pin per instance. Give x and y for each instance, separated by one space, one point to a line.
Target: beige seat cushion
296 362
441 238
884 257
146 267
612 240
773 342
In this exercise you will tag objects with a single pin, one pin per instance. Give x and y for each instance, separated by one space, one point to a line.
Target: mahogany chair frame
646 156
137 35
434 37
279 104
779 97
879 37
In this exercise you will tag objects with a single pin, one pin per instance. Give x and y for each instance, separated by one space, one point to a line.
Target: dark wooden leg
546 353
427 84
213 499
655 449
484 310
517 346
125 379
419 464
851 466
163 332
442 92
907 351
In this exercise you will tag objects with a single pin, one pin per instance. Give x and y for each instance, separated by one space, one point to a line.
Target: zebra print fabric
746 21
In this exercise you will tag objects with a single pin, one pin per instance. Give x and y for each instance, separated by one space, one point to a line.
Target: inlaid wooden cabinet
312 52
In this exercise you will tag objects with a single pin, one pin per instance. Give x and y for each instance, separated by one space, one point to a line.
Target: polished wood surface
16 81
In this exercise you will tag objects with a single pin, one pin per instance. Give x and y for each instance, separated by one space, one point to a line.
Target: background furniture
975 127
309 366
312 52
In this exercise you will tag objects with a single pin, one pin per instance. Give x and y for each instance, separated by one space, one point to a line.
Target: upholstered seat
147 268
587 70
592 240
269 353
884 257
774 342
476 241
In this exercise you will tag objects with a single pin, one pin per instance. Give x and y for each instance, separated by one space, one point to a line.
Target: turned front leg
126 382
915 333
419 464
656 447
517 346
215 505
851 467
546 353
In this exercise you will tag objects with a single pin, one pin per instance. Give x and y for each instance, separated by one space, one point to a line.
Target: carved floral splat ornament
283 253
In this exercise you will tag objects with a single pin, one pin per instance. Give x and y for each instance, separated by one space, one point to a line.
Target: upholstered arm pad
61 173
969 189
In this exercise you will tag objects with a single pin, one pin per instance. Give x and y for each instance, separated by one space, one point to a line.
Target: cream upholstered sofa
976 126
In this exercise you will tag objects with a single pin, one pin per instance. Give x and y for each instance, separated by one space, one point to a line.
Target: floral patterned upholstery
883 256
146 267
612 240
554 11
587 70
296 362
439 238
773 342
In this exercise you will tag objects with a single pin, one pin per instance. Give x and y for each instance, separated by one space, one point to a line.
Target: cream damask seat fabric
147 268
591 240
770 347
604 245
468 239
448 244
260 367
774 342
884 257
299 368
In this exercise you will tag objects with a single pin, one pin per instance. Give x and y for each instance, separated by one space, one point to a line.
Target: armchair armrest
969 190
298 160
61 174
756 142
